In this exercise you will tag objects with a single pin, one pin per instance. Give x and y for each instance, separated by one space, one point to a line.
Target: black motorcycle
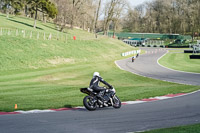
91 102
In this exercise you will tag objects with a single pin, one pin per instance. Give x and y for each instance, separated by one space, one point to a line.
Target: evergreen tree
44 6
11 6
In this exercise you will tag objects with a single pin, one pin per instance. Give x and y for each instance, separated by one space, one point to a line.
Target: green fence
124 35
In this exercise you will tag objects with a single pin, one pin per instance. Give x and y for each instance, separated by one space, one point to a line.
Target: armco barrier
131 52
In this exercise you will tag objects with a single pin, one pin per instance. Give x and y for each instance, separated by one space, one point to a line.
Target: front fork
111 99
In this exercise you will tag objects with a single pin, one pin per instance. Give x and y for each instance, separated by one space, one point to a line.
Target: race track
178 111
147 65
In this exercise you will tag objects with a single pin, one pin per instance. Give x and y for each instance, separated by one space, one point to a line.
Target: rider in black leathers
94 84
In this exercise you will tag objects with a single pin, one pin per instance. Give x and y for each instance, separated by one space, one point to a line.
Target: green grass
42 74
22 24
183 129
180 61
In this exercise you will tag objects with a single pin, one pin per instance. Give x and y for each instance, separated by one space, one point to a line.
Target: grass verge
183 129
42 74
178 60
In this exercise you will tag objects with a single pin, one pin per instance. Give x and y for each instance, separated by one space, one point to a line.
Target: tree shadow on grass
2 15
50 27
25 24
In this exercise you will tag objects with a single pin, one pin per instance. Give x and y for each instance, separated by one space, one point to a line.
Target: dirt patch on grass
59 78
59 60
48 78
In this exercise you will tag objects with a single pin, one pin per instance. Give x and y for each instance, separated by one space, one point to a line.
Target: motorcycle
91 102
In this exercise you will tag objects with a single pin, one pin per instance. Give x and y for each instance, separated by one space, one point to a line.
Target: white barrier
131 52
149 43
198 42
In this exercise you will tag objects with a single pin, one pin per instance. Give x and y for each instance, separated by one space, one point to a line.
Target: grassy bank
180 61
41 74
182 129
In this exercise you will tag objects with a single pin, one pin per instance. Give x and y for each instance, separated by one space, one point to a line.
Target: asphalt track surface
147 65
178 111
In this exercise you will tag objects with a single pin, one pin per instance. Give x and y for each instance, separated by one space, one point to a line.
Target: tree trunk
26 10
97 16
7 13
114 30
72 22
35 18
43 16
73 11
109 16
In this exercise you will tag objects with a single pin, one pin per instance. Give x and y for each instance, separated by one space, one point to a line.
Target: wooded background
157 16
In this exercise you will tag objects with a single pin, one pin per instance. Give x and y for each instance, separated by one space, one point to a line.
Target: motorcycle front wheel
116 102
89 103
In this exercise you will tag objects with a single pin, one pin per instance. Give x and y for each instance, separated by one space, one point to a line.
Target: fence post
9 32
24 35
31 35
49 36
16 32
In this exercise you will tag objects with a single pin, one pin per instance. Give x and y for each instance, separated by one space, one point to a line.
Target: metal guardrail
196 49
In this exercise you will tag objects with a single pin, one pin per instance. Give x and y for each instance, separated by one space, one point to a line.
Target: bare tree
165 16
118 12
97 17
78 13
109 12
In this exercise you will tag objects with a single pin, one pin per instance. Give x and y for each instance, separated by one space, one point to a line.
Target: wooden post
9 32
31 35
24 35
50 36
38 35
16 32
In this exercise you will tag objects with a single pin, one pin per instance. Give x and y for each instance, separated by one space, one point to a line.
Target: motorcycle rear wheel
116 102
89 103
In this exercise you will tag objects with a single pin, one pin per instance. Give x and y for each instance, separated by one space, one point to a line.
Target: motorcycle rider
94 85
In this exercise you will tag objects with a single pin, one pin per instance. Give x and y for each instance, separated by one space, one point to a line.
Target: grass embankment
178 60
41 74
182 129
